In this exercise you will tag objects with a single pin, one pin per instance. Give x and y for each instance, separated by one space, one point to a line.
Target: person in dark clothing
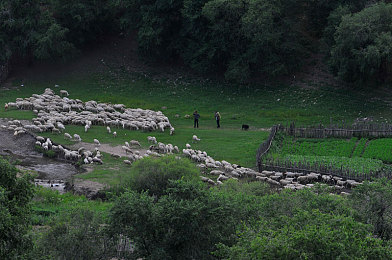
217 118
196 117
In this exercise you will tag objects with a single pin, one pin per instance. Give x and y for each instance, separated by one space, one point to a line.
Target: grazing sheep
86 127
195 138
128 162
171 130
5 106
126 149
151 139
108 129
134 142
188 146
96 142
77 138
67 136
64 93
114 134
60 126
127 144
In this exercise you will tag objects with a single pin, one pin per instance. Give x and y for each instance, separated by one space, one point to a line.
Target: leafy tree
307 235
86 20
15 195
363 45
185 223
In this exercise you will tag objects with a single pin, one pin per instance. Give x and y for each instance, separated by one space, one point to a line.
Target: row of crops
356 155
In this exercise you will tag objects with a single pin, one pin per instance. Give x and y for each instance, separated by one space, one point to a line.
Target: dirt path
107 148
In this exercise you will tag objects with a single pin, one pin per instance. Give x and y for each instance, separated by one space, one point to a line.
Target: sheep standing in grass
96 142
134 142
188 146
77 138
5 106
195 139
64 93
86 127
151 139
114 134
60 126
108 129
67 136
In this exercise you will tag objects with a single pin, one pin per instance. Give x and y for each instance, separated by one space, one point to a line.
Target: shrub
307 235
78 234
153 174
15 196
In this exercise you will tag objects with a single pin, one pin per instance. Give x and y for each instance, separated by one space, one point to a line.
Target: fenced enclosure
360 130
363 129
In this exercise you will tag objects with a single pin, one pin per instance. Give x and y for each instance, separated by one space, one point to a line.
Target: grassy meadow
258 106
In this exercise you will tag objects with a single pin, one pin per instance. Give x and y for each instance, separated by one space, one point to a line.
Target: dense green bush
363 45
307 235
15 195
153 174
372 202
78 234
185 223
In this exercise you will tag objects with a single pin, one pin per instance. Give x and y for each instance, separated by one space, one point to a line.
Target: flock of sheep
54 112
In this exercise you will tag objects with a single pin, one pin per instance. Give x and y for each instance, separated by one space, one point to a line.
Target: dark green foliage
307 235
186 223
153 174
363 45
15 195
78 234
85 20
372 201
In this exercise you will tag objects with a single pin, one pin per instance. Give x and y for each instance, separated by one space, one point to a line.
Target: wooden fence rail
265 146
366 130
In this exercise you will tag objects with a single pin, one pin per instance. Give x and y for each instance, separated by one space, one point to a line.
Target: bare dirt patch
107 148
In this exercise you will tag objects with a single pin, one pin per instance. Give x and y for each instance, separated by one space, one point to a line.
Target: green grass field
259 106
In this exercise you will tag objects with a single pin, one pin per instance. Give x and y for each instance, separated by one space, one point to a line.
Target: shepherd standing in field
217 118
196 117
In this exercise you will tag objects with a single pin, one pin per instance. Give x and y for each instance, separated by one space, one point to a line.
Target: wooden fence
367 130
265 146
306 167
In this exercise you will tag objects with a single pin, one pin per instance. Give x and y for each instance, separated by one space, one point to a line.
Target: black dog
245 127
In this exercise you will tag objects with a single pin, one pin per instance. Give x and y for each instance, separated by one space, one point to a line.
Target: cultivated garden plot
361 156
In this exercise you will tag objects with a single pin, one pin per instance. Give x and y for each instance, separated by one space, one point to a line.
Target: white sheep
86 127
77 138
128 162
64 93
172 130
5 106
60 126
108 129
151 139
67 136
127 144
134 142
96 142
188 146
195 138
114 134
